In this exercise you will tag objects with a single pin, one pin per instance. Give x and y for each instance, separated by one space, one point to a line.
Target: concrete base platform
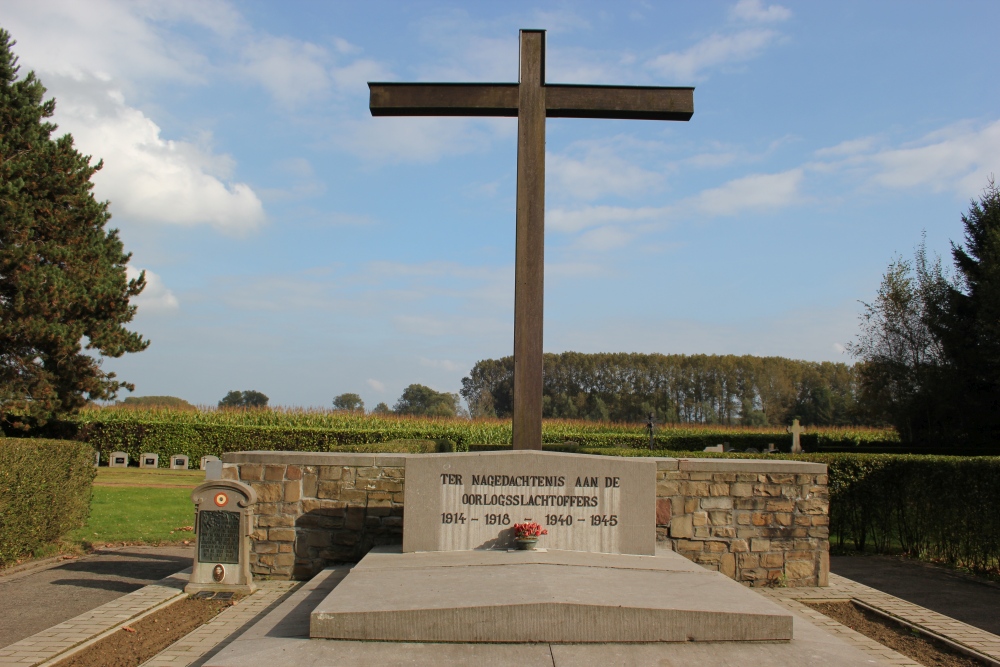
281 639
554 596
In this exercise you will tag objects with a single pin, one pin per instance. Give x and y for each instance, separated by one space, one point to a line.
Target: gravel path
35 600
963 597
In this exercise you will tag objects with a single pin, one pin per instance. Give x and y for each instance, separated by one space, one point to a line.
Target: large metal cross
531 101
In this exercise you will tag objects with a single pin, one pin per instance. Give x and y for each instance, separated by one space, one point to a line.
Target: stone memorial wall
761 522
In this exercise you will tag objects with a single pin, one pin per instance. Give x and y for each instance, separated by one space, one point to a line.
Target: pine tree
968 324
63 286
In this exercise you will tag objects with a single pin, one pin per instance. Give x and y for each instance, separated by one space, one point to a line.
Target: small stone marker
97 458
179 462
796 431
223 523
206 459
149 461
465 501
118 460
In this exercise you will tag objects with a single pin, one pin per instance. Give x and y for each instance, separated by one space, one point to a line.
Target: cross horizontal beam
561 100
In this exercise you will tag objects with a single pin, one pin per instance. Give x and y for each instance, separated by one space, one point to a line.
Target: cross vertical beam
529 261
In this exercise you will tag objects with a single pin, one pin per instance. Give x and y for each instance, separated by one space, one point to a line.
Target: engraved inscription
472 501
219 537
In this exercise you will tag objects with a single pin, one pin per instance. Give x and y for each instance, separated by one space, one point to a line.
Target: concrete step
533 596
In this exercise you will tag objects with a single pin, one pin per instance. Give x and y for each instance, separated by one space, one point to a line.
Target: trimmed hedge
45 489
200 437
935 507
197 440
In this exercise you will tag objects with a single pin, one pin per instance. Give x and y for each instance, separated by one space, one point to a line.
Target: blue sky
295 245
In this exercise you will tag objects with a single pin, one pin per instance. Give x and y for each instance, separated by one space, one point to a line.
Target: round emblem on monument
221 499
218 573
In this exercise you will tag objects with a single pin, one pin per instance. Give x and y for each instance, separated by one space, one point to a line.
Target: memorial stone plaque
179 462
149 461
468 501
223 523
118 460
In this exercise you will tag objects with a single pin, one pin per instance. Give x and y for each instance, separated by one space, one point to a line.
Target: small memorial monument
118 460
179 462
205 460
97 458
223 523
149 461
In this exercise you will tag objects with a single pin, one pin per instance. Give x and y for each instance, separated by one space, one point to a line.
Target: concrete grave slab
550 597
118 460
149 461
586 503
281 639
179 462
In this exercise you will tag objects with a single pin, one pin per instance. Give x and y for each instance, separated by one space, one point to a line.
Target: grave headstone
223 523
472 501
149 461
205 460
796 431
118 460
97 458
179 462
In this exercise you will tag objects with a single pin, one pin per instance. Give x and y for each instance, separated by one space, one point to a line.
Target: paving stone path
47 596
963 597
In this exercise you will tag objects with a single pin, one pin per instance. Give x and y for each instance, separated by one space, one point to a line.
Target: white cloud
102 38
756 191
755 11
444 364
91 57
155 298
604 238
571 221
712 51
959 157
146 177
292 70
849 147
423 140
839 348
375 385
599 172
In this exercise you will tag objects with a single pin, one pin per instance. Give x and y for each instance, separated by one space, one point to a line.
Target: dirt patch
925 650
144 639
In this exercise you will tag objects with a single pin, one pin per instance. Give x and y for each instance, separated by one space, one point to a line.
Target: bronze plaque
218 537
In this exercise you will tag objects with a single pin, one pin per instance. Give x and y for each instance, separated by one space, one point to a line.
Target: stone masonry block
293 491
741 489
250 472
681 526
800 569
760 544
268 492
772 560
718 489
699 519
663 512
293 473
330 472
274 473
717 503
328 490
720 517
281 534
309 484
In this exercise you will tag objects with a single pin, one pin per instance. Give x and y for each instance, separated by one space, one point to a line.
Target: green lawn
148 477
133 505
